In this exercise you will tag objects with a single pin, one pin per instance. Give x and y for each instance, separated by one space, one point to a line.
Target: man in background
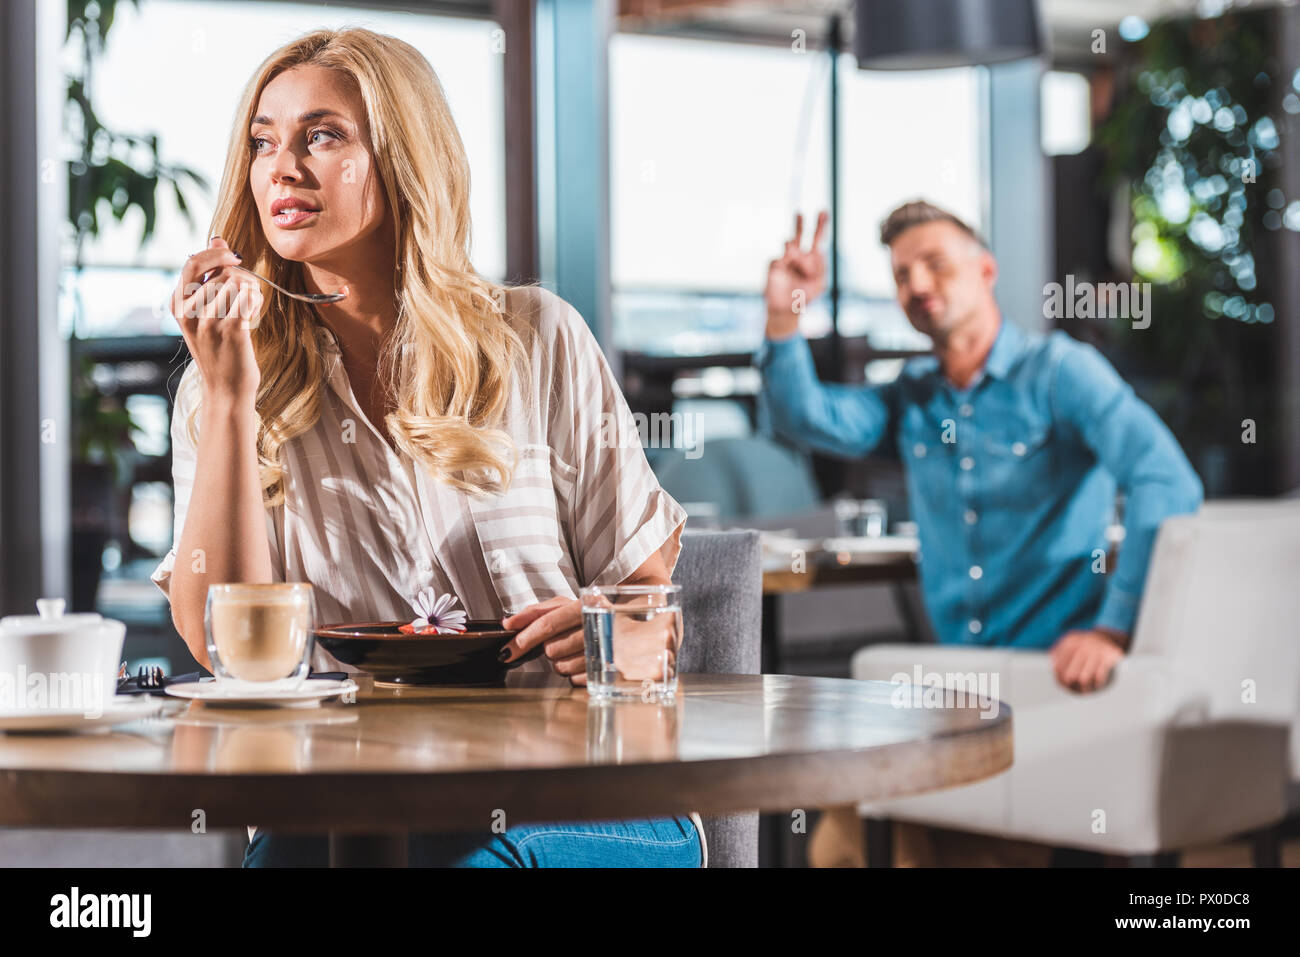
1014 445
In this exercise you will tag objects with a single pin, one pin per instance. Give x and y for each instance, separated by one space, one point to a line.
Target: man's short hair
915 213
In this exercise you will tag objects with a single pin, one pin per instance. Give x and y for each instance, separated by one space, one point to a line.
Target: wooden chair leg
1266 847
879 837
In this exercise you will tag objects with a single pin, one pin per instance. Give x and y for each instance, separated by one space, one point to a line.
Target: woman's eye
255 142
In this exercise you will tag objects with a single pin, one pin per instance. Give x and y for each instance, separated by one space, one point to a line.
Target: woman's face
311 158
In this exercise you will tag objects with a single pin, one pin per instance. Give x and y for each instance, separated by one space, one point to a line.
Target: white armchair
1187 744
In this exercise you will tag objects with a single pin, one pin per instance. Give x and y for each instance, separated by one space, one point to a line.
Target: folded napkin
131 685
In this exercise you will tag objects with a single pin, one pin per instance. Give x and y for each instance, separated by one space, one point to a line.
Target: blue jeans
654 842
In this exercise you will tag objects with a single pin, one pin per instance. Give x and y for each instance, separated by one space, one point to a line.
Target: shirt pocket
1019 463
522 539
931 469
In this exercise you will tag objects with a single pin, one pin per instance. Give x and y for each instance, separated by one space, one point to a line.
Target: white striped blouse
370 530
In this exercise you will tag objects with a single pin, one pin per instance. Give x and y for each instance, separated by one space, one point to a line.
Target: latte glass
259 634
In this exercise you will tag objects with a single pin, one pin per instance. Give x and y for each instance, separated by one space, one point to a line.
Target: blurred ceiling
1070 23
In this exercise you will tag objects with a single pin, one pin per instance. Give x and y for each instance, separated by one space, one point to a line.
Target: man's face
943 276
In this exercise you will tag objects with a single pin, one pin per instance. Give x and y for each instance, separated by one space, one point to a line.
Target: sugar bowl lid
50 619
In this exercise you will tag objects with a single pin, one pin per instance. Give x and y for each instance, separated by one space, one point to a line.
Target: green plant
104 426
125 171
1193 138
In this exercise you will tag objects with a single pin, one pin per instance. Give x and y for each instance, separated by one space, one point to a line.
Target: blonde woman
431 430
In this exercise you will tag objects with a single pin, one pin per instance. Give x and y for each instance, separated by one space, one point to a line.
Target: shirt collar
1006 350
329 350
1007 347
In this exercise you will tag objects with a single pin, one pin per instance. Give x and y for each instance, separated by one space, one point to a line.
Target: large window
902 136
715 146
176 69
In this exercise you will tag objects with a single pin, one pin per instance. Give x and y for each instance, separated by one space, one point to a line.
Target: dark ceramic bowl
380 650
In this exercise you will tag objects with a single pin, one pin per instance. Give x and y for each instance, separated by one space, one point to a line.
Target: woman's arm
557 623
653 571
224 539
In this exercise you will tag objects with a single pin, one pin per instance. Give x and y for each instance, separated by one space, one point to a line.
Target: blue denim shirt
1011 481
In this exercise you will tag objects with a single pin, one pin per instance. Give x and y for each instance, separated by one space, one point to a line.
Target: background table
822 568
448 758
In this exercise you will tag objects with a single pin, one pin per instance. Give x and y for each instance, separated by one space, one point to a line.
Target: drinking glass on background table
632 634
861 518
259 633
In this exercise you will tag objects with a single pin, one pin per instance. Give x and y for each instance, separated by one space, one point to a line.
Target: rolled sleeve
618 513
1119 609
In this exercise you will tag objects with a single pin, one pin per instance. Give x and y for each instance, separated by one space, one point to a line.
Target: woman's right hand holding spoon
215 318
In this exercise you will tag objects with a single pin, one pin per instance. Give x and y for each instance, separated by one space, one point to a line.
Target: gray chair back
721 574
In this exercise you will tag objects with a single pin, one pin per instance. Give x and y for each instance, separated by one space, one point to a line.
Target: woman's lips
292 217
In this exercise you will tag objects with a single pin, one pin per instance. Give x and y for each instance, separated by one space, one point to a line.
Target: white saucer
74 719
274 695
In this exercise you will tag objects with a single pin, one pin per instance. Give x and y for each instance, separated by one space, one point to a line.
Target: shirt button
1018 448
967 463
976 572
975 626
970 516
918 450
966 410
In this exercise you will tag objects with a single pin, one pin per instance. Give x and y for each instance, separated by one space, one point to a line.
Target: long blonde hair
450 358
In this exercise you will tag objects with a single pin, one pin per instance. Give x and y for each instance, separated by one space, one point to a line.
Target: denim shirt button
975 626
919 450
970 516
967 463
976 573
966 410
1018 448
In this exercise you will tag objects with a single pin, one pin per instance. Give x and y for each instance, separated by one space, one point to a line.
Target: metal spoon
318 298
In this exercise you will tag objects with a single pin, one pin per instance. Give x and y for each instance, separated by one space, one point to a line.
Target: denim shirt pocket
1019 461
930 466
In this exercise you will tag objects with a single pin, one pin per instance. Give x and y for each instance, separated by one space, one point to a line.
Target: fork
313 297
149 676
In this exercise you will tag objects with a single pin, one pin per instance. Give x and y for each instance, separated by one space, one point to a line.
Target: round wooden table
449 758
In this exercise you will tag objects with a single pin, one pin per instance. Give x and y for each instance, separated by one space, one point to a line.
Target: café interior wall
35 518
1019 190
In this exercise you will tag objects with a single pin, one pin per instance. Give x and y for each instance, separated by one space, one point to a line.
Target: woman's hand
557 624
214 317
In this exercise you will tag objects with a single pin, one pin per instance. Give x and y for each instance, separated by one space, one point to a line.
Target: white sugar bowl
57 661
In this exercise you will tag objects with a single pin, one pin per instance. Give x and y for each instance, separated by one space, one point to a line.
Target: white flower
437 614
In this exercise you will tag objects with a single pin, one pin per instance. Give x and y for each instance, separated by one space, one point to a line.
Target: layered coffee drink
259 632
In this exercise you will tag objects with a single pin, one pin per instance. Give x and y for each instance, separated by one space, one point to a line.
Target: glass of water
632 634
860 518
